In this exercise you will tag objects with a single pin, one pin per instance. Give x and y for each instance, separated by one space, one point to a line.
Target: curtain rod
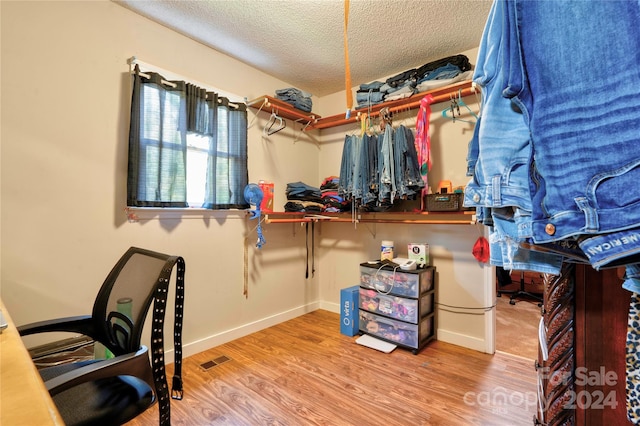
165 82
132 61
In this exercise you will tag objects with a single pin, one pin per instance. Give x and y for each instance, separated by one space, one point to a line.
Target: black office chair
114 391
503 278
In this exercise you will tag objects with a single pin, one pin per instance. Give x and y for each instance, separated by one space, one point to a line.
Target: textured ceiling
301 41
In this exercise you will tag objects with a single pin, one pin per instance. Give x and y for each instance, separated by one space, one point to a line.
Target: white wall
64 161
64 133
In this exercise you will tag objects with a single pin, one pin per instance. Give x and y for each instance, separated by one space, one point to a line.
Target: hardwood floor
517 327
304 372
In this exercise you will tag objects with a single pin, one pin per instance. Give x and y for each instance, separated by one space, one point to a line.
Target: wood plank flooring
517 327
304 372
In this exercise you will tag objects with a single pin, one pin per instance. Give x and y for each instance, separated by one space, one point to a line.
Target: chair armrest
80 324
132 364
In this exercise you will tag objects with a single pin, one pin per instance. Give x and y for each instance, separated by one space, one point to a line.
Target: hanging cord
313 248
261 241
479 310
347 68
306 243
245 289
381 280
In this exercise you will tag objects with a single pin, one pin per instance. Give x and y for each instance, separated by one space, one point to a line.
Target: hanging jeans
358 168
501 142
407 174
499 153
387 191
580 96
345 180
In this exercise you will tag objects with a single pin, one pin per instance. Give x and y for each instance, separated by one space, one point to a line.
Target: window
187 146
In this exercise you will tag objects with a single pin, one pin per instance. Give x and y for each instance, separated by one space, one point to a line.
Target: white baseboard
331 307
462 340
241 331
246 329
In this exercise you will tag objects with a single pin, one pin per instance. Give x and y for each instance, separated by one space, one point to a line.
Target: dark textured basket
443 202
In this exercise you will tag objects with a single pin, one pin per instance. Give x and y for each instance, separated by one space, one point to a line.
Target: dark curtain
227 173
157 143
162 117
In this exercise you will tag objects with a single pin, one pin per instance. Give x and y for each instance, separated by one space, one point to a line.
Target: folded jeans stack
303 198
369 94
407 83
296 97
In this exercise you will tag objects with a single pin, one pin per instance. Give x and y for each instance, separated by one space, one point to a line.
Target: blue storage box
349 310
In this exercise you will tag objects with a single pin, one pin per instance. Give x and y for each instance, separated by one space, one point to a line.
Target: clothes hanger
461 103
368 125
456 103
385 118
407 119
274 125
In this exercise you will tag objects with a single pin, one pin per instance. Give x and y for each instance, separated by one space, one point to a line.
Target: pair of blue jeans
499 154
583 117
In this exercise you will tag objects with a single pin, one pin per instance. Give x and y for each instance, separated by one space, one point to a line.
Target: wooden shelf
467 217
440 94
283 109
314 121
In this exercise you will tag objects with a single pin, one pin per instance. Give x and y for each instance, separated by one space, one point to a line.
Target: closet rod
411 222
403 105
390 221
299 220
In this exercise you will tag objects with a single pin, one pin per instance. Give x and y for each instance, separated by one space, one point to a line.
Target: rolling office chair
114 391
503 278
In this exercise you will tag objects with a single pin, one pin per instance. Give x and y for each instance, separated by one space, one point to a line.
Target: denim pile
303 198
407 83
296 97
377 170
369 94
554 158
332 201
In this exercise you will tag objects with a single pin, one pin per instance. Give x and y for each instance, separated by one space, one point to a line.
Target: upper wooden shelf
441 94
283 109
314 121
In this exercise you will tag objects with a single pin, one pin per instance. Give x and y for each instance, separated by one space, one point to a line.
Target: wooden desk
24 399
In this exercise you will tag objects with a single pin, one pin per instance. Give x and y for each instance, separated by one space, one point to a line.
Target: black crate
444 202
